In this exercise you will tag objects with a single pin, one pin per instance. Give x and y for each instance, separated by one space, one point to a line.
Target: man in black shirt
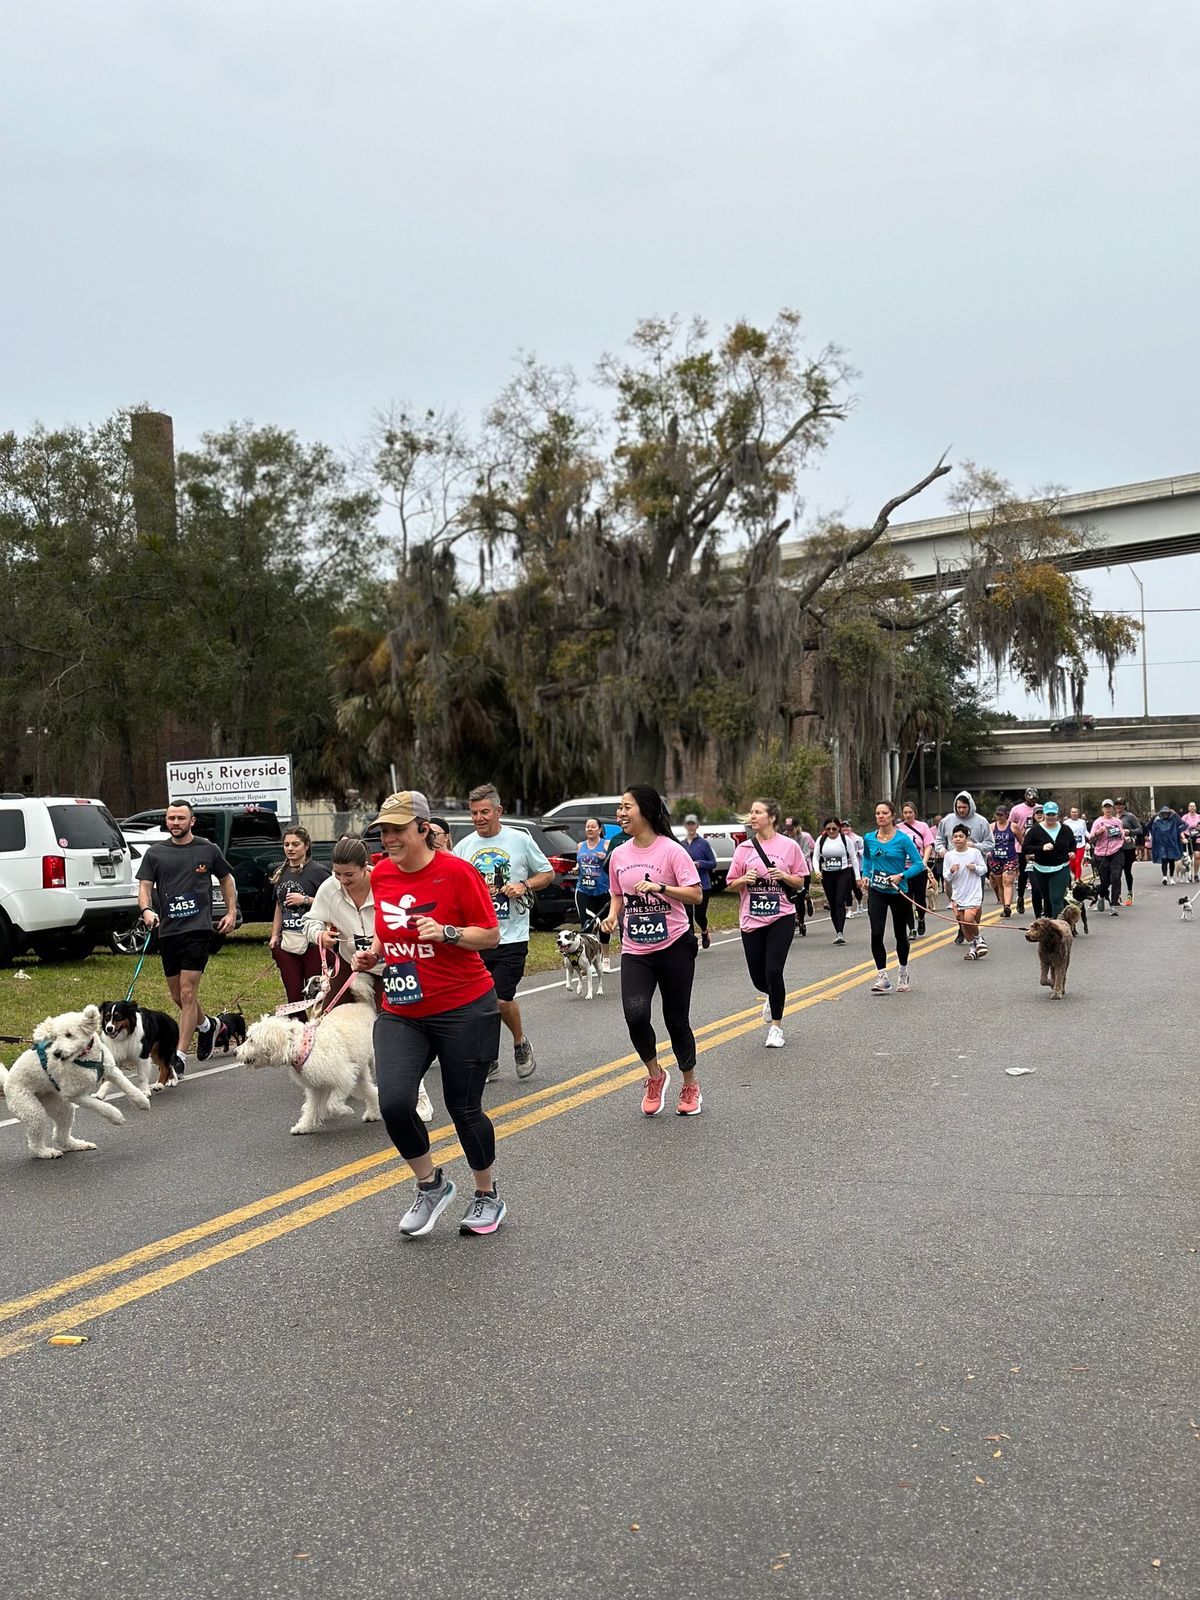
180 875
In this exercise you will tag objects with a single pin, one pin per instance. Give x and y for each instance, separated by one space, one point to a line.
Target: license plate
108 869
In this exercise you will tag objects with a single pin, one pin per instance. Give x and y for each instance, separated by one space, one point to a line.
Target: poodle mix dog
1053 936
139 1039
67 1065
580 954
333 1059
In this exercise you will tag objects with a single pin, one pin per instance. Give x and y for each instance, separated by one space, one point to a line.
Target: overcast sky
294 212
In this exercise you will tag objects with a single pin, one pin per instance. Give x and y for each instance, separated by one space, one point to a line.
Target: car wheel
66 947
130 940
8 943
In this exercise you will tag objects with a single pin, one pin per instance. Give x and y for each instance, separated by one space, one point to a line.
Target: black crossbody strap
795 896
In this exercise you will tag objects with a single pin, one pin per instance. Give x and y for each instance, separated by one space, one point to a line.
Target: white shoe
882 984
1164 880
839 938
766 1011
774 1038
605 964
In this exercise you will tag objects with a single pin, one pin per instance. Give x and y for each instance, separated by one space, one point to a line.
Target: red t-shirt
421 980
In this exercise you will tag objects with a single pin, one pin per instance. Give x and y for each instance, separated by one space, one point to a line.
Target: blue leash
138 969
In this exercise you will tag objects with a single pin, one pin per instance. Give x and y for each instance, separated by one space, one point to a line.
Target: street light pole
1145 675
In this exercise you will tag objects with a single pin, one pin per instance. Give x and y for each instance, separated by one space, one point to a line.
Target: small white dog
581 958
68 1063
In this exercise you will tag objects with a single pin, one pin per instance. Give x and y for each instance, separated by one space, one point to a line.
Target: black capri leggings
1109 868
878 906
766 954
838 887
670 971
590 908
466 1041
1128 857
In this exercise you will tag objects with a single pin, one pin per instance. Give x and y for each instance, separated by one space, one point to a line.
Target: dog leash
137 971
303 1005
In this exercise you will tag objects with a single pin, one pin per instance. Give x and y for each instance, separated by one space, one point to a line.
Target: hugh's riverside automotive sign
264 781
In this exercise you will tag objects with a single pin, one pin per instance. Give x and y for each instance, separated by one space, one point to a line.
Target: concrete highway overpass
1158 752
1132 522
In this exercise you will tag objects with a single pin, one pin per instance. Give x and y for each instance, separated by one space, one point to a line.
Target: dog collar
307 1041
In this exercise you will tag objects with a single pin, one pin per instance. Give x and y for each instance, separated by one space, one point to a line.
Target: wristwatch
451 934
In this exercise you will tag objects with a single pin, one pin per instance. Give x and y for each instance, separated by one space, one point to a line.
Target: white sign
264 781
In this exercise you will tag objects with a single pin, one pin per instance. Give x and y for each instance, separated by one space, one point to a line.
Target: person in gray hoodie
979 831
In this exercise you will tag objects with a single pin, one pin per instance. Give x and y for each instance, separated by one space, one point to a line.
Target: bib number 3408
402 984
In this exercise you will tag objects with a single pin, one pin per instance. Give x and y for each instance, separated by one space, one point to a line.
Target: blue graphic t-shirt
882 859
509 856
593 869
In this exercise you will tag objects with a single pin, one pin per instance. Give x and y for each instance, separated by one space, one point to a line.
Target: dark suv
555 904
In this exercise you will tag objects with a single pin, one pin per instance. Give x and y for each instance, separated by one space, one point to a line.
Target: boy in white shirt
965 869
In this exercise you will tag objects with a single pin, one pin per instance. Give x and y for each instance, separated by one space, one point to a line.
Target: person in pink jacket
1108 848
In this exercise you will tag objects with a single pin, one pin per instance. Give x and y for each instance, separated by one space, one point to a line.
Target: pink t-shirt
921 834
1020 817
1108 836
1191 820
765 902
651 921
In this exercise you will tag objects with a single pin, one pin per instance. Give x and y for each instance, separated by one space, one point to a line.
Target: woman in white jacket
341 919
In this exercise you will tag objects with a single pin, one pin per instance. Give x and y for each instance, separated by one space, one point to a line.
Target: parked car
251 840
571 815
555 904
66 880
131 938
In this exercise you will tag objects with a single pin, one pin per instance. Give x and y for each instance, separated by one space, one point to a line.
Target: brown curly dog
1053 936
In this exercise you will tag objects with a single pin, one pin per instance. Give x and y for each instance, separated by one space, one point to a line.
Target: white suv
66 877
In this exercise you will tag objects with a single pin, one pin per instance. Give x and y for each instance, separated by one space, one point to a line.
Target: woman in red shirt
433 915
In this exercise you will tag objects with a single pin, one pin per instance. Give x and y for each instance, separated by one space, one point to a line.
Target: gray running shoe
839 938
484 1215
427 1207
526 1067
492 1072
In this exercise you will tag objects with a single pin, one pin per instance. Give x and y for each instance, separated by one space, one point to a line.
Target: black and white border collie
137 1038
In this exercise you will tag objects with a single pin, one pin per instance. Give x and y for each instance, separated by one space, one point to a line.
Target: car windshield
85 827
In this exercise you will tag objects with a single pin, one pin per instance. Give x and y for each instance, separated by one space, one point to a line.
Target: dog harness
307 1040
43 1052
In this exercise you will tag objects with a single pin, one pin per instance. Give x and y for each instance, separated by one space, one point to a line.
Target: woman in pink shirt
762 871
653 880
923 837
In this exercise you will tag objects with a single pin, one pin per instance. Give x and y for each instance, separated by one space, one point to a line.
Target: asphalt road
884 1321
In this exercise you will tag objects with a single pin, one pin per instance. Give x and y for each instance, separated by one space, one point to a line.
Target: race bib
503 908
292 918
763 903
880 880
362 941
646 927
402 984
588 881
183 905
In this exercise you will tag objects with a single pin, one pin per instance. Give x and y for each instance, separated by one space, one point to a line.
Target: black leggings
766 954
878 906
699 913
1129 856
1109 868
590 908
838 887
917 888
465 1041
1168 868
670 971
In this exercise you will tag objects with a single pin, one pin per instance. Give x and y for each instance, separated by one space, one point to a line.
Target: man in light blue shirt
513 867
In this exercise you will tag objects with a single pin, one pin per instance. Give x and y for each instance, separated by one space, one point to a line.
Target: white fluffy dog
333 1059
68 1063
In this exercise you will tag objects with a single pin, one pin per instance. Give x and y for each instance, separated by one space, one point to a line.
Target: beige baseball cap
400 809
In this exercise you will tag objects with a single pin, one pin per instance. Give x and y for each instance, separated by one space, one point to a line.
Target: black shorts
506 963
184 952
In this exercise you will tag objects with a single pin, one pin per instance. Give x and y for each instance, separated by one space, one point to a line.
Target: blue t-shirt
701 853
592 861
509 856
883 858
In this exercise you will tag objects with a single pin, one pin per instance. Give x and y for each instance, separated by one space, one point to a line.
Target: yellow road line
730 1028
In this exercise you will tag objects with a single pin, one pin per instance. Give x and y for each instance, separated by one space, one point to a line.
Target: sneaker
706 940
526 1067
904 985
972 954
1164 882
802 929
958 939
690 1100
809 907
839 938
427 1206
920 933
180 1063
484 1215
605 964
1020 908
1129 900
653 1093
774 1039
1113 912
882 984
206 1035
492 1072
981 948
1006 913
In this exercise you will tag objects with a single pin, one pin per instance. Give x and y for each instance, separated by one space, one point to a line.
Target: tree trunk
647 756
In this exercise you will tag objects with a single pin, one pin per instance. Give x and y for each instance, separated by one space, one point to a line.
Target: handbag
795 897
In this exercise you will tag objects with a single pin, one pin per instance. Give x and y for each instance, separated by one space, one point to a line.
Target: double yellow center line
388 1171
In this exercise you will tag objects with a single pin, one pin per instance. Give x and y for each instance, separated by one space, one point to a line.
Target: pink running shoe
654 1093
690 1100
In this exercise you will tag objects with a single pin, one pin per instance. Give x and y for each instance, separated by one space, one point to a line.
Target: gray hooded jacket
979 829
